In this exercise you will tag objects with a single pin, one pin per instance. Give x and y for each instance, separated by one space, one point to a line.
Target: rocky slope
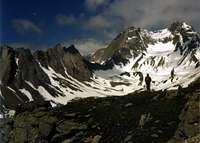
167 117
136 52
63 60
61 74
22 72
135 43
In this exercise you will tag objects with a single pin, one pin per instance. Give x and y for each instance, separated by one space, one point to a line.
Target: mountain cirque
32 82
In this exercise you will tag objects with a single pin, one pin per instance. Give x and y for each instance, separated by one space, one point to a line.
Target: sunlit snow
158 60
27 93
161 34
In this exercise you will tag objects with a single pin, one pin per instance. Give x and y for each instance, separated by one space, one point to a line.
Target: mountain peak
71 49
179 26
59 45
136 41
60 48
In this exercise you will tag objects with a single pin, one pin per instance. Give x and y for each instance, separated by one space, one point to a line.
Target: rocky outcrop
63 60
133 42
8 65
29 69
138 117
189 126
129 43
19 65
22 73
186 39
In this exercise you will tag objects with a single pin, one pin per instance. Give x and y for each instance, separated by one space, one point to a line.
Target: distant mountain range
60 74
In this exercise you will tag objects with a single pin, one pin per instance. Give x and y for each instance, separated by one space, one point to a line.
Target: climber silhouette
148 82
172 75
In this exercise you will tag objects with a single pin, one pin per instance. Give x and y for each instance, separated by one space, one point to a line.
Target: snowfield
161 34
160 49
109 82
158 60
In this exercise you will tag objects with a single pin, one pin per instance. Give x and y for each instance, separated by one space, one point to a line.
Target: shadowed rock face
8 65
145 117
77 67
29 69
63 60
19 67
120 49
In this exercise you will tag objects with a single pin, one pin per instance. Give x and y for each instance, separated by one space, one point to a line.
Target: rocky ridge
22 72
138 117
134 41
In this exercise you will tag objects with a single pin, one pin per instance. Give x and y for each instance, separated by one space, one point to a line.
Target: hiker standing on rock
148 82
172 75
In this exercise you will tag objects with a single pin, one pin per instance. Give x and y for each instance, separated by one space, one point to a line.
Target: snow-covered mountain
61 74
138 51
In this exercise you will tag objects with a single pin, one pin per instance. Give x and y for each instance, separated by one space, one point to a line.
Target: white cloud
94 4
98 21
22 26
66 20
145 13
120 14
86 46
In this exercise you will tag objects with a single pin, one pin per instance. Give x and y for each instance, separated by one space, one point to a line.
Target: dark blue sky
42 13
47 22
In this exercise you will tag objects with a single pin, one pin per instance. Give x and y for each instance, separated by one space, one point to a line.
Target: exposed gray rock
113 123
30 106
128 105
144 119
95 139
45 129
63 59
21 69
67 126
8 65
154 135
128 138
29 69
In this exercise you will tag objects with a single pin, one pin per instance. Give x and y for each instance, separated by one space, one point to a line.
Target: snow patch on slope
1 94
97 87
186 26
158 61
161 34
159 49
27 93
